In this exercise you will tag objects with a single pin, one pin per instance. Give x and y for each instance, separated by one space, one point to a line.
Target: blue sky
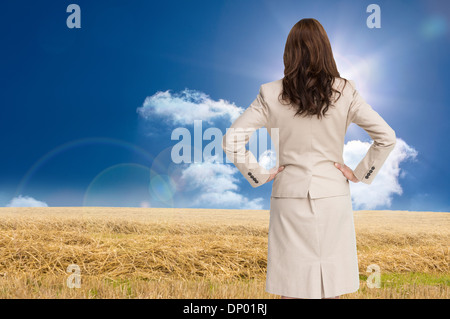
72 135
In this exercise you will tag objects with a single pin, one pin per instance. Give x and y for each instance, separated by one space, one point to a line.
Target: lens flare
165 182
433 27
77 144
162 187
121 185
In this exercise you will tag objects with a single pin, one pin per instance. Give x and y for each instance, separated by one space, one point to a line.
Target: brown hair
309 69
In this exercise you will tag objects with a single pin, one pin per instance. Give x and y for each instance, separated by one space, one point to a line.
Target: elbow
226 146
392 138
224 143
387 140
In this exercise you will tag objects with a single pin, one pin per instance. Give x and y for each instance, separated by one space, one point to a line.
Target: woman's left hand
347 172
272 176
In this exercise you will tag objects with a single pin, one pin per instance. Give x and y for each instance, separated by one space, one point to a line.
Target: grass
199 253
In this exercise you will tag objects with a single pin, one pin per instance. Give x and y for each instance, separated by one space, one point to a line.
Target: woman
311 242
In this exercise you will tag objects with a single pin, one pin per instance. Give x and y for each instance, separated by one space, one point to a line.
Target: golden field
199 253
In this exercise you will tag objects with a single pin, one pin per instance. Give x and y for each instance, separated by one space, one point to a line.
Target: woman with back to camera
311 242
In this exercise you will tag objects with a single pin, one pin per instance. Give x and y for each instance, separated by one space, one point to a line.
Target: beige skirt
312 247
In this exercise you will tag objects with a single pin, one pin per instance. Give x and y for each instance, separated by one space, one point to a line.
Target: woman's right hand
347 172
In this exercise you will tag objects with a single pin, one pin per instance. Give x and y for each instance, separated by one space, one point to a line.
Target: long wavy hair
309 69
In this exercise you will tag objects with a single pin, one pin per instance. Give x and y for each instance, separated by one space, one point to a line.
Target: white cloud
25 201
216 185
268 159
386 183
187 106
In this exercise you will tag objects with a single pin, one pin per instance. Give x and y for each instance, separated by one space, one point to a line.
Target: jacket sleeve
237 137
383 136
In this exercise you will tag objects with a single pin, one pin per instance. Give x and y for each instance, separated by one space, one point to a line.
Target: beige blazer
308 147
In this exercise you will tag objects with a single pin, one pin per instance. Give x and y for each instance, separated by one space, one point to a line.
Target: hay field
199 253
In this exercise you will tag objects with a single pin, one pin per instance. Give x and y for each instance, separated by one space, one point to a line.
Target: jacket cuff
257 177
366 174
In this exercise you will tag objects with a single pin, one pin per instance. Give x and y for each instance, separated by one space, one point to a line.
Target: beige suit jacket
308 146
